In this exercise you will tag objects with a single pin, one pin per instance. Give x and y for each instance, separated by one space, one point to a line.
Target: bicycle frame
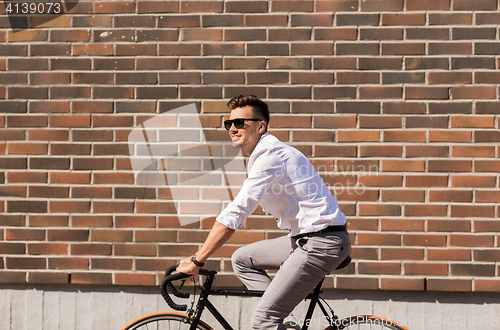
207 290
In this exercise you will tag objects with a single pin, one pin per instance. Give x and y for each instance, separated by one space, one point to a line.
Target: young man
284 182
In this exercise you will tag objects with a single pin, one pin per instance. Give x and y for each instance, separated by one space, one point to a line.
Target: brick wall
396 102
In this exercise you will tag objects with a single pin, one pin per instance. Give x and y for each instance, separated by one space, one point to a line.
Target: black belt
326 230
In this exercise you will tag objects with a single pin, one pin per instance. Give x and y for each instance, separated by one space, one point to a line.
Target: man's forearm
219 235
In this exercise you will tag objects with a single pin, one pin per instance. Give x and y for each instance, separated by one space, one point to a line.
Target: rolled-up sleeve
266 169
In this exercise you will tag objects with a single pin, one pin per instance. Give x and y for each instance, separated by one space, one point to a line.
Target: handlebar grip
167 284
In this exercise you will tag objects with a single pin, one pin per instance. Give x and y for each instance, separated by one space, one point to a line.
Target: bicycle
192 319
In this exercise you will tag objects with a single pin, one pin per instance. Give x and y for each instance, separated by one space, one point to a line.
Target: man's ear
262 127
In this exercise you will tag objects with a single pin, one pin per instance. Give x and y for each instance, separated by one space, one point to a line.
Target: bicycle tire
164 321
366 322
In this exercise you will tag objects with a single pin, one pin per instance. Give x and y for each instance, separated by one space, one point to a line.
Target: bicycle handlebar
167 286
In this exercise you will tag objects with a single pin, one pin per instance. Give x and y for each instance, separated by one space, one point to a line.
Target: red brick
486 285
378 267
175 250
356 283
91 278
68 263
91 249
358 78
404 136
21 148
450 136
94 163
402 225
27 35
146 7
25 263
339 121
486 225
358 136
472 151
444 225
155 236
153 264
48 221
433 93
47 135
92 106
111 264
425 268
135 221
49 192
93 50
48 278
69 35
69 207
431 210
424 240
482 211
380 151
27 206
472 240
487 166
110 235
339 151
401 254
403 19
403 195
135 279
292 6
25 234
450 196
404 284
114 7
70 121
355 194
378 239
70 177
473 92
26 177
454 285
403 107
450 78
289 34
427 5
402 165
380 180
472 181
406 48
135 250
447 254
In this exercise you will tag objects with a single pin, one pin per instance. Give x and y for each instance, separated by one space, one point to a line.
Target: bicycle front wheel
366 322
165 321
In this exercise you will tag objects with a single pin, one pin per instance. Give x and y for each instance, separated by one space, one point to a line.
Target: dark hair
253 101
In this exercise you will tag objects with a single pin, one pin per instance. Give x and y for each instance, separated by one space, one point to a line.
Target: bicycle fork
204 302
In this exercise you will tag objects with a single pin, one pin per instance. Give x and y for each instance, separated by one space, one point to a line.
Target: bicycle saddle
344 263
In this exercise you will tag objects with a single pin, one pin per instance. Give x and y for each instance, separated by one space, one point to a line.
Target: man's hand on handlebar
187 267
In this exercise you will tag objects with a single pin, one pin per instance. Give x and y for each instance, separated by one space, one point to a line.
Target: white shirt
286 184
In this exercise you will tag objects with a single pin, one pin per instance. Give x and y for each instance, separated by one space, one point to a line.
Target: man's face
248 136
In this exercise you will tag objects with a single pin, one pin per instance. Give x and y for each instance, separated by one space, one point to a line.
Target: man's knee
259 321
240 259
266 321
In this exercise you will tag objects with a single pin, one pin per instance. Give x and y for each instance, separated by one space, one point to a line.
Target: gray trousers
302 264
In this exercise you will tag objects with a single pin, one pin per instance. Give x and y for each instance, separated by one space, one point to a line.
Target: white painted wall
111 308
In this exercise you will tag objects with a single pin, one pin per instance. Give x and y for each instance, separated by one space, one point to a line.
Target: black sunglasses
238 122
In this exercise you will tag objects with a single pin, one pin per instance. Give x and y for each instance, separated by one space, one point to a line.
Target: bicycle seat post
314 296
